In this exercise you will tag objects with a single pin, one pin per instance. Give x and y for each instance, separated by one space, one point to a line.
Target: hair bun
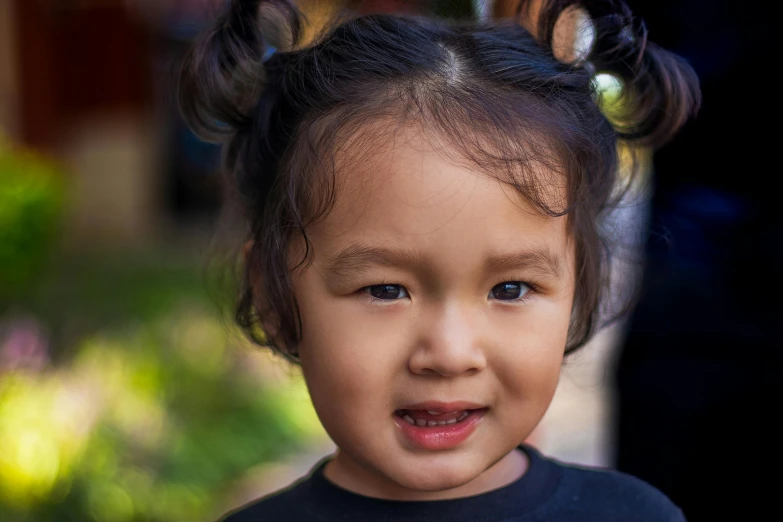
223 74
660 90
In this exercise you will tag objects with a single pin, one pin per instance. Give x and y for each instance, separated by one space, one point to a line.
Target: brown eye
509 290
387 292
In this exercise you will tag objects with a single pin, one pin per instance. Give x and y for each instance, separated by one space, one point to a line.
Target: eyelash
532 289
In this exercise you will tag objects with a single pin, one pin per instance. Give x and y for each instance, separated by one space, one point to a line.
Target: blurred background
125 392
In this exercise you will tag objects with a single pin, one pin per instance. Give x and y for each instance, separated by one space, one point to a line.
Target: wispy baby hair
492 91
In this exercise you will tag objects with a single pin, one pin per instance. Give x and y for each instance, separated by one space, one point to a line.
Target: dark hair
494 90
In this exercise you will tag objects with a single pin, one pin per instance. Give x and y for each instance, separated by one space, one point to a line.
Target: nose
449 344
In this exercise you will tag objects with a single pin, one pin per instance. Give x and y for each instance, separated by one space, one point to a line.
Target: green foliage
31 205
80 294
151 423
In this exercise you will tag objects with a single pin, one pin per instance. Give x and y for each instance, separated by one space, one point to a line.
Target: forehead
409 188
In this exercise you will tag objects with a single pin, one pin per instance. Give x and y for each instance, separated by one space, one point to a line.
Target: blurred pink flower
24 345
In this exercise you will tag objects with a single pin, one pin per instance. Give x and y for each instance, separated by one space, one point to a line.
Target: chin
437 479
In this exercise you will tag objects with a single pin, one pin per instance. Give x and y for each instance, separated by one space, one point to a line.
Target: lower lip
443 437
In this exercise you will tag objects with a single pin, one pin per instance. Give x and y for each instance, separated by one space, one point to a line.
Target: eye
509 290
386 292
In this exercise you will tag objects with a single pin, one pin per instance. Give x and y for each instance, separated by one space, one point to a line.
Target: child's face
433 241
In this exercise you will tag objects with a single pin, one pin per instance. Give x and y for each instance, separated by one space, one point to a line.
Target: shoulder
621 496
610 495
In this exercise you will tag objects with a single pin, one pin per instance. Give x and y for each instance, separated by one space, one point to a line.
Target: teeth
434 412
422 422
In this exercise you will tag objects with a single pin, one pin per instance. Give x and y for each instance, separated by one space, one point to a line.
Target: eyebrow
541 260
357 258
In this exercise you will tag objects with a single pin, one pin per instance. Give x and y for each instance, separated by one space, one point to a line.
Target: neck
356 478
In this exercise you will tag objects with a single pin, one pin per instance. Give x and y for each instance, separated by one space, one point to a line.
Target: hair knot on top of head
223 75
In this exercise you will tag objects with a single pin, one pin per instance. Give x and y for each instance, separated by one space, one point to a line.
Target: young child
423 207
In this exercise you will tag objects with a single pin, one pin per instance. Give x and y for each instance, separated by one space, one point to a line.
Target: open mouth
439 429
431 418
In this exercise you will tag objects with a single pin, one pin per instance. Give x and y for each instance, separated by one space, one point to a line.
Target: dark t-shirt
549 491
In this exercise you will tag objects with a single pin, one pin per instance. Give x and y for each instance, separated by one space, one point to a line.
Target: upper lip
443 407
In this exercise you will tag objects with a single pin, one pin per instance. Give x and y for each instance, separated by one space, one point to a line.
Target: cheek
529 364
348 361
